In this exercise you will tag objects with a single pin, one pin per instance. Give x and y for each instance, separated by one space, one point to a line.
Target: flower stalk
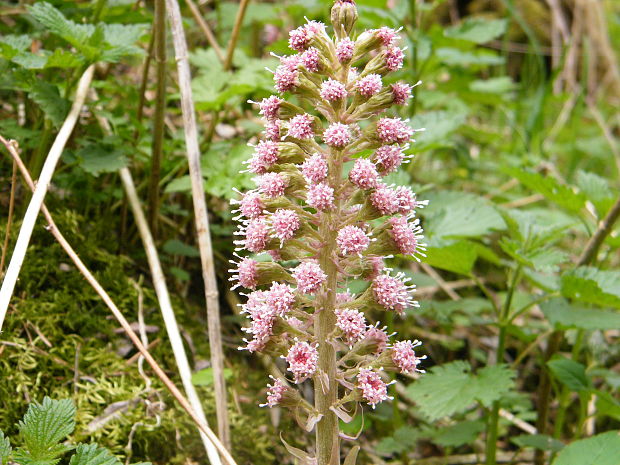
323 215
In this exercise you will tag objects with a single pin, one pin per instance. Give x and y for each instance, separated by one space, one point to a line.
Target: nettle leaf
545 260
76 34
11 45
440 124
456 256
5 448
97 158
451 388
459 434
477 30
404 438
47 96
538 441
92 454
564 315
589 284
602 449
597 191
570 373
221 168
63 59
560 194
30 60
42 428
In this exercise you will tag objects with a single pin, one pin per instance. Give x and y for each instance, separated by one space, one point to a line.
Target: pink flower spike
246 273
393 130
309 277
394 58
337 135
265 156
272 130
275 392
310 59
300 127
302 360
401 92
272 184
344 50
270 106
320 196
374 390
332 90
407 236
405 358
364 174
385 200
352 239
314 169
352 323
284 224
369 85
389 158
407 201
393 292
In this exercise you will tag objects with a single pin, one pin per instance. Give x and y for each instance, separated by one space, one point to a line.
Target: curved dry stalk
206 432
30 218
235 33
201 215
206 30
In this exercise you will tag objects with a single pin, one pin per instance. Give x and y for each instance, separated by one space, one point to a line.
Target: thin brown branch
204 26
235 34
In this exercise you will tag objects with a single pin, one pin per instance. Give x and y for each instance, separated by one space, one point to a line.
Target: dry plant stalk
30 218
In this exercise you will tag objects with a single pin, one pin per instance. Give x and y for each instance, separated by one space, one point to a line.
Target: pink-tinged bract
301 126
369 85
302 360
320 196
404 356
374 389
364 174
309 277
337 135
285 224
314 169
332 90
352 240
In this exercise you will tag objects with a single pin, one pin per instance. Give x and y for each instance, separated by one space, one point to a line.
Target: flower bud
343 16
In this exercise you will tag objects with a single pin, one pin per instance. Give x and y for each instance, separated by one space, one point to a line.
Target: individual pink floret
251 205
352 323
309 277
299 39
378 337
374 390
270 106
352 240
337 135
394 58
385 200
246 273
302 360
301 127
405 358
401 93
407 236
388 36
393 130
332 90
393 292
369 85
285 78
256 235
280 299
314 169
265 156
272 184
272 130
284 224
320 196
364 174
275 392
407 200
344 50
389 158
310 60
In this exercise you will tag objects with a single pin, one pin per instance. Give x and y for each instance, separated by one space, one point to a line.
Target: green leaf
451 388
5 448
545 260
455 57
570 373
564 315
77 35
92 454
439 125
63 59
477 30
498 85
11 45
458 256
592 285
29 60
404 438
205 377
538 441
560 194
602 449
459 434
97 158
221 167
606 404
597 191
176 247
42 428
47 96
182 184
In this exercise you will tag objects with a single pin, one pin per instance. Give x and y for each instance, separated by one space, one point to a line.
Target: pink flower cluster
323 214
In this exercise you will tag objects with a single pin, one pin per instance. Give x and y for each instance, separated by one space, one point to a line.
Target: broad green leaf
5 449
439 125
176 247
538 441
451 388
545 260
47 96
602 449
498 85
205 377
564 315
456 256
404 438
570 373
477 30
42 428
100 158
592 285
63 59
77 35
459 434
222 167
560 194
92 454
11 45
182 184
29 60
455 57
606 404
597 191
123 34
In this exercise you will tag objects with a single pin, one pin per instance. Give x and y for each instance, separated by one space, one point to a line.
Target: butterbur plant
322 227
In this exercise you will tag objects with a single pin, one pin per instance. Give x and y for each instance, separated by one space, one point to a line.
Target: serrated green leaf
63 59
451 388
100 158
538 441
123 34
77 35
570 373
589 284
30 60
222 167
498 85
47 96
545 260
597 191
92 454
477 30
5 448
564 315
176 247
43 427
459 434
11 45
602 449
455 57
456 256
